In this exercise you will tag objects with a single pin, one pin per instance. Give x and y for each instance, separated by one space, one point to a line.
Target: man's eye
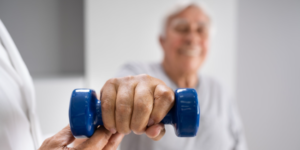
202 30
182 29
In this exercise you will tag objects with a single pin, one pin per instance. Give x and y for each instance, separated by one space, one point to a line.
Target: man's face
185 43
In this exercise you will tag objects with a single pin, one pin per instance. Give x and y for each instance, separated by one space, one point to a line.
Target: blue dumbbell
85 113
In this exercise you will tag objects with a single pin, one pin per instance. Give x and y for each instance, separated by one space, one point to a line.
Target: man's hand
135 102
102 139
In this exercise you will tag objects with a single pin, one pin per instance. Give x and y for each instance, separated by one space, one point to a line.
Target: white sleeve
17 90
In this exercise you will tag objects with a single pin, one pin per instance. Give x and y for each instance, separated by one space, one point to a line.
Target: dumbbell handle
168 119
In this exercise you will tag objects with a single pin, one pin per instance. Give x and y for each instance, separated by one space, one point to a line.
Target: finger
163 102
78 142
61 139
143 103
108 101
156 132
97 141
114 141
124 106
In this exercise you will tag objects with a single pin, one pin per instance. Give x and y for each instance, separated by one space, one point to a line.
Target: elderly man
142 94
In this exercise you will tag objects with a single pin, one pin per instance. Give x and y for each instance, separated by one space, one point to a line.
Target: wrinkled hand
102 139
136 103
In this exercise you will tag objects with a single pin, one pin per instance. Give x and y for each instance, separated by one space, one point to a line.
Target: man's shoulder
136 65
213 85
210 81
135 68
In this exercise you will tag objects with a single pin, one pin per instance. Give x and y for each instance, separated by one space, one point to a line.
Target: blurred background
255 52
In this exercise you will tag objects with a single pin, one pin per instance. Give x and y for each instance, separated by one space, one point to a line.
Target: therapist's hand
136 103
102 139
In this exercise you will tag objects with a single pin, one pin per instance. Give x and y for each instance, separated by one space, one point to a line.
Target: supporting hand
102 139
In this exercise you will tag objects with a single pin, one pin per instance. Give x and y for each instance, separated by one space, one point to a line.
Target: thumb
156 132
59 140
64 136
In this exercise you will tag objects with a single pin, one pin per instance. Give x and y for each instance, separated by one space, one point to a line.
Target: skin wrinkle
170 17
140 101
123 97
159 97
109 99
133 105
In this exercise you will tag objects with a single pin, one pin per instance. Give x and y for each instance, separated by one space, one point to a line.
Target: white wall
120 31
269 73
52 100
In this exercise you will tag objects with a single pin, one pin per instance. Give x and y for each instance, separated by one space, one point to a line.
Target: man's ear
162 41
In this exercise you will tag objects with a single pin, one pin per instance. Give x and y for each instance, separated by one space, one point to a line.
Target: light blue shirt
220 125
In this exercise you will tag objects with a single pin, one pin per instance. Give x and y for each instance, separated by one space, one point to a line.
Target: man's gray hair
179 7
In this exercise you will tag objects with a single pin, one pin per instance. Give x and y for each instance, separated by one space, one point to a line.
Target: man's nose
192 38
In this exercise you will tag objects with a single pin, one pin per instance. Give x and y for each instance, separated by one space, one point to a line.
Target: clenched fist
136 103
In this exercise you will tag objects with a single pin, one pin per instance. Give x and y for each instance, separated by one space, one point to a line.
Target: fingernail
150 122
160 130
138 133
156 132
113 130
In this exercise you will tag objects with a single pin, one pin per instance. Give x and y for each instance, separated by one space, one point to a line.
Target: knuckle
167 96
144 76
106 105
143 107
111 81
123 109
127 78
